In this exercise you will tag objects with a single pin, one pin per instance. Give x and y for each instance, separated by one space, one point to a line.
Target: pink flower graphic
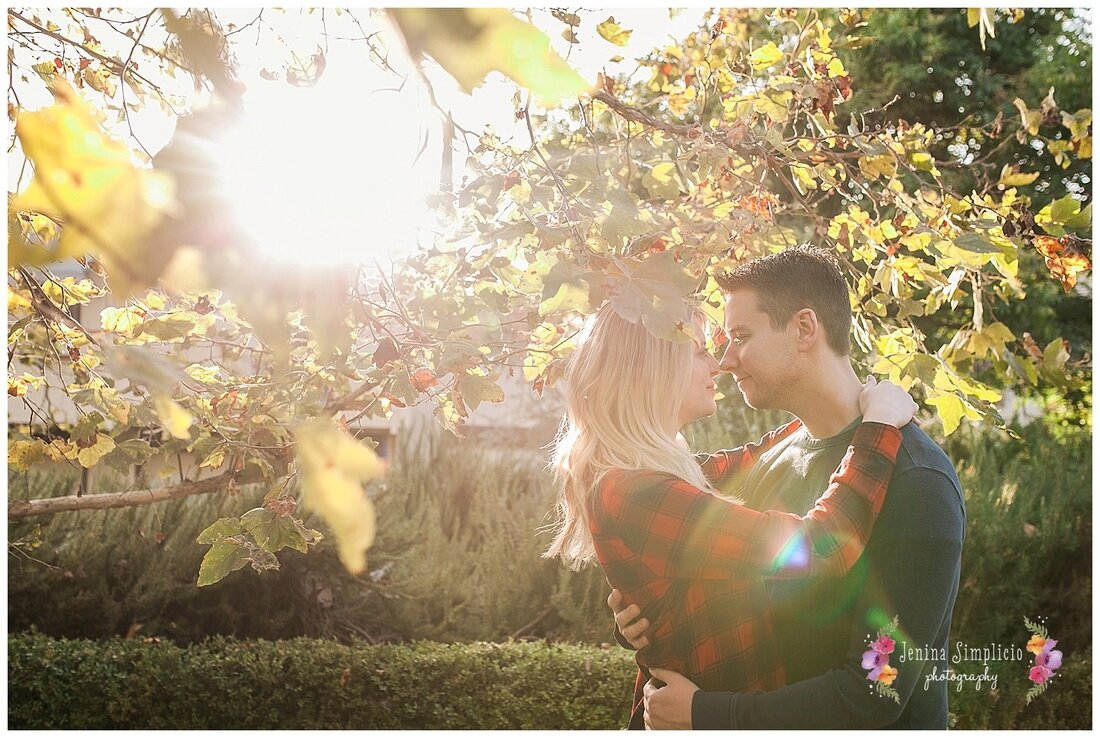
884 645
1040 674
874 661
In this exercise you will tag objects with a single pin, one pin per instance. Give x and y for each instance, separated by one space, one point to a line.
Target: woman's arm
679 531
720 465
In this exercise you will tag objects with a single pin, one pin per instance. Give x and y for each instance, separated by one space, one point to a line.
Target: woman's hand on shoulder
886 402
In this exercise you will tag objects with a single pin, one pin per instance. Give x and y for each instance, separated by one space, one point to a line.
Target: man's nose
729 362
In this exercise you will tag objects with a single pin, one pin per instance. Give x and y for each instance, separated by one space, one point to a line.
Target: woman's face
698 398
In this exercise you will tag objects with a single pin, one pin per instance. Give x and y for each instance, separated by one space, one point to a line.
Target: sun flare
326 175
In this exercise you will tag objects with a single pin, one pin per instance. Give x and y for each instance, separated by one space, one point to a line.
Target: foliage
306 684
460 560
727 145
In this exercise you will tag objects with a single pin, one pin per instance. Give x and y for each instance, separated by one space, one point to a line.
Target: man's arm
913 575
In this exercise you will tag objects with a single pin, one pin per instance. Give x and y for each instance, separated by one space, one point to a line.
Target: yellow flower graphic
1035 645
888 675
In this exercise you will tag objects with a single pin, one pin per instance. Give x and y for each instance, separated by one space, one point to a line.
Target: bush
310 684
457 558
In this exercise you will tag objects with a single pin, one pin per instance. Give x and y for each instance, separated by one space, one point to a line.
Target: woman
636 499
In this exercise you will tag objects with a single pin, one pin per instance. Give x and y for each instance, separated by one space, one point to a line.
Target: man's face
764 361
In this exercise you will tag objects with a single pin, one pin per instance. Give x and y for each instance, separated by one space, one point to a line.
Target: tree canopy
756 131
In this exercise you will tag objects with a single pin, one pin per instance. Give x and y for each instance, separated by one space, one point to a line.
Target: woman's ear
807 328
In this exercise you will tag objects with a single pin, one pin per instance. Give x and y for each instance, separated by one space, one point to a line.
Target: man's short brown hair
793 279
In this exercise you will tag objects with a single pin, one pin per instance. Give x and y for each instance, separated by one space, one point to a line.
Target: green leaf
1064 209
613 32
271 532
653 291
225 556
977 244
475 390
219 529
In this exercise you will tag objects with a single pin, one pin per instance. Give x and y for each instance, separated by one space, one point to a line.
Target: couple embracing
753 582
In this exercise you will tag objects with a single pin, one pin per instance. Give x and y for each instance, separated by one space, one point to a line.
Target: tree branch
108 501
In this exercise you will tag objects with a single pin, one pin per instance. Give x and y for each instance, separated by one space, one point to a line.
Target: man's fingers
665 675
614 601
635 631
625 616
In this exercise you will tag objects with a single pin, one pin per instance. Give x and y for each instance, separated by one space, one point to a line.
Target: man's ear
807 329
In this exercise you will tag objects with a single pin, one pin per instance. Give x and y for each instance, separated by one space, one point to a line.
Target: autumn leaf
334 468
765 56
176 420
85 180
1065 257
423 379
613 32
471 42
653 291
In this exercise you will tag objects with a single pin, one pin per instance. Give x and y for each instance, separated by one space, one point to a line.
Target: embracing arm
914 576
680 531
720 465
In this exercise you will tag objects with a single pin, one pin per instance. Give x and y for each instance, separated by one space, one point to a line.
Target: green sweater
910 569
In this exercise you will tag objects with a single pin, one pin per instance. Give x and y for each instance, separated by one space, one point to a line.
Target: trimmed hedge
300 684
309 684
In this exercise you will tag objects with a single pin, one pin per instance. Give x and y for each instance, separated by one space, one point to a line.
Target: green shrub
457 558
310 684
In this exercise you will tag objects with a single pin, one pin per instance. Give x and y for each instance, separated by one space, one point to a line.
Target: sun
326 175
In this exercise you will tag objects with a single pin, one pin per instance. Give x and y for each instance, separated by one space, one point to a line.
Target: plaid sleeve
721 464
677 530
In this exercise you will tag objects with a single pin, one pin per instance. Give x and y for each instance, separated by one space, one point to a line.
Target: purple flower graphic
1048 657
874 661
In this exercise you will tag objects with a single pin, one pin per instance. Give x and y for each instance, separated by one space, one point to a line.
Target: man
788 320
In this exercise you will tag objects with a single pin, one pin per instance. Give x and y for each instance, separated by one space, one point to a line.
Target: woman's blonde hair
623 392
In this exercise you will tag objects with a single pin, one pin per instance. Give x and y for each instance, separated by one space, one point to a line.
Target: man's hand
668 707
625 619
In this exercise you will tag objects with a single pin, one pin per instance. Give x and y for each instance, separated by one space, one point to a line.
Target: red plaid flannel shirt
694 562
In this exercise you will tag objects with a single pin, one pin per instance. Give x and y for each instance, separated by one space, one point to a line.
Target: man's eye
738 340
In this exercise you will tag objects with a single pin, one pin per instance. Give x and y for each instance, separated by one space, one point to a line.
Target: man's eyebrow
735 328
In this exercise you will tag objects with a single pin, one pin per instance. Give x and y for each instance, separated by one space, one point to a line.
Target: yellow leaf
176 420
679 100
86 180
89 457
1011 178
836 68
204 374
765 56
951 410
121 320
334 467
22 455
613 32
1029 118
471 42
214 459
873 167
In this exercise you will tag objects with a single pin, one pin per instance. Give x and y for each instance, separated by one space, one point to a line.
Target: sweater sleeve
679 531
915 577
721 465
